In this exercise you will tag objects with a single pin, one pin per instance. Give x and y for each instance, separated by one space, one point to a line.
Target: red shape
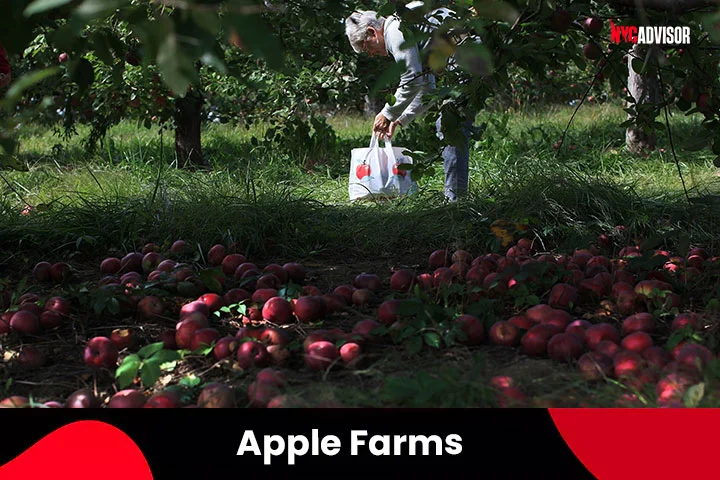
362 171
634 443
85 450
397 171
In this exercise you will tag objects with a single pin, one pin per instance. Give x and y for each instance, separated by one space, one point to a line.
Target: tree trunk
187 129
373 106
645 89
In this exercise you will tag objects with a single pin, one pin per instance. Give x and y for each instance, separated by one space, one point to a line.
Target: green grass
130 190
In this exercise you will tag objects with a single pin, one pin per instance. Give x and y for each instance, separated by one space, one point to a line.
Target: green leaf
39 6
127 371
694 395
208 278
152 349
432 339
388 78
413 345
190 381
149 373
496 10
176 67
165 356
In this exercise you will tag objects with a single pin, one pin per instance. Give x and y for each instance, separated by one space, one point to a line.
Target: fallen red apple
608 348
110 266
351 354
25 322
296 271
252 354
216 255
150 308
101 352
185 330
31 357
640 322
164 399
128 398
42 272
693 355
402 280
656 357
627 363
472 329
534 342
309 309
203 338
277 310
122 338
216 395
60 272
83 398
368 281
564 347
504 333
638 342
437 259
595 366
320 355
599 332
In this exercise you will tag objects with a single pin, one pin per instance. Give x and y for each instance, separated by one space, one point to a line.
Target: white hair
356 26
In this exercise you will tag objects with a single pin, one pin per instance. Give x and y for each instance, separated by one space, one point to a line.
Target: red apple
309 309
277 310
560 20
535 341
216 255
31 357
521 321
595 366
231 263
536 313
402 280
350 353
607 348
640 322
122 338
203 337
185 330
163 399
638 342
321 355
235 296
472 328
362 297
363 330
504 333
252 354
213 301
25 322
578 328
110 266
83 398
194 306
368 281
42 272
225 348
167 337
693 355
656 357
127 399
562 295
150 308
60 272
627 363
216 395
599 332
101 352
296 272
683 319
672 387
437 259
387 311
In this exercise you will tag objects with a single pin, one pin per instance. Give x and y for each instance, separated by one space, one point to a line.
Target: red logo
397 171
623 33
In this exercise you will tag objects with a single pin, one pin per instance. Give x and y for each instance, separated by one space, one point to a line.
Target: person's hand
381 125
392 127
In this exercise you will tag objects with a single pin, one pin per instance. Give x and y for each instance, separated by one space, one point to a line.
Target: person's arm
413 84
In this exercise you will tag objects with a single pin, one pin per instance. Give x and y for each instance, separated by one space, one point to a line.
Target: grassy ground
130 192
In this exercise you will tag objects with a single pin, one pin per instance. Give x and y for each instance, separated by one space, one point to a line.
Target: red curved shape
630 443
82 450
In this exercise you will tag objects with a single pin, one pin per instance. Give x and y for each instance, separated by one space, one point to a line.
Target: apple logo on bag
362 171
397 171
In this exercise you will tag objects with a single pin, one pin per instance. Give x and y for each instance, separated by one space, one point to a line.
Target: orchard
176 230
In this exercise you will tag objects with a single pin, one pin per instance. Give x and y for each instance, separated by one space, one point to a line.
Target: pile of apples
620 340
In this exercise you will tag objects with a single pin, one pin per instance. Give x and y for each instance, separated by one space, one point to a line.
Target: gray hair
356 26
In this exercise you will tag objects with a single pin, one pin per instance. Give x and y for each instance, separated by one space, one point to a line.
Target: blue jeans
456 162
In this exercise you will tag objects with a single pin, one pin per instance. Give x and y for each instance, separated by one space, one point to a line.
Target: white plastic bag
374 172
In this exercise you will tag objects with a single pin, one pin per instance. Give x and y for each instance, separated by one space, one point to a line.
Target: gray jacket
414 86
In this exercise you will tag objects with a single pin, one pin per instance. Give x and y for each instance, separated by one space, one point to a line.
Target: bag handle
374 140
